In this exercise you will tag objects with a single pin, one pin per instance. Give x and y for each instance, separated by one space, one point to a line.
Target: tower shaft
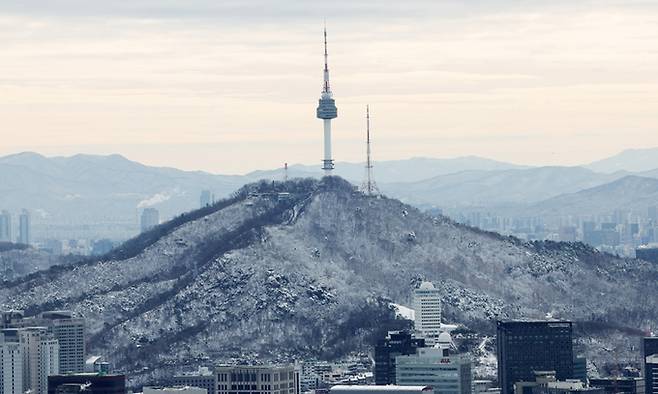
327 162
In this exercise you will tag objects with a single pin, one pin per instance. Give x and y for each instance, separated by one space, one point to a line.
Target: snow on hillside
311 273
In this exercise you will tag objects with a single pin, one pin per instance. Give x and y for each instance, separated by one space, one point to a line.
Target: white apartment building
427 307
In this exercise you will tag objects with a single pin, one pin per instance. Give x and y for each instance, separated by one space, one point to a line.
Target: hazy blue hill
87 189
408 170
493 188
630 193
632 160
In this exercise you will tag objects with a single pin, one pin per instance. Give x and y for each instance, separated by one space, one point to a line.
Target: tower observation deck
326 111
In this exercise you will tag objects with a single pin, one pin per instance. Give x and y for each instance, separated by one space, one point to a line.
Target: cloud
234 84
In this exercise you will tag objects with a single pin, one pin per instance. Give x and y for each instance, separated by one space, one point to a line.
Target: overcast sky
232 86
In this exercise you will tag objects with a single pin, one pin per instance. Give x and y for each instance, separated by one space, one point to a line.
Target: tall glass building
524 347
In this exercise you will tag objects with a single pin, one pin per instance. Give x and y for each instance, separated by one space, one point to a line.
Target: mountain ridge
311 274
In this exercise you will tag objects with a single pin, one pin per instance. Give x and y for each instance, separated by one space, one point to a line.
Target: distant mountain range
498 187
87 189
632 160
104 194
630 193
409 170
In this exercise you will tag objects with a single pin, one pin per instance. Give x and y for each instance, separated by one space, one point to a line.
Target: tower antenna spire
326 111
369 186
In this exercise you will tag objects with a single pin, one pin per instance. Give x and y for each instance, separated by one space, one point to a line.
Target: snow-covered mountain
276 276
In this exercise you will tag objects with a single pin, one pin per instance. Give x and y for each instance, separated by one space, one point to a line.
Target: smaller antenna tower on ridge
369 186
285 172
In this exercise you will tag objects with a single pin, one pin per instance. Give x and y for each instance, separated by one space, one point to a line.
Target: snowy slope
312 273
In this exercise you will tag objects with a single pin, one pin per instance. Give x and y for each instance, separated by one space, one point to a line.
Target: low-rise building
437 367
381 389
173 390
618 385
546 383
95 383
262 379
203 378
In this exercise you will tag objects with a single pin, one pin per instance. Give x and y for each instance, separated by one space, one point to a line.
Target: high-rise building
397 343
650 361
525 347
203 378
70 333
5 227
11 366
95 383
150 218
205 199
24 227
437 367
263 379
427 307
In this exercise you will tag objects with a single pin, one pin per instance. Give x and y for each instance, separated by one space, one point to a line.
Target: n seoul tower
326 111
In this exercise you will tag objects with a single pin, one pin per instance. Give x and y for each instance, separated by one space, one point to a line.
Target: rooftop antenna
369 186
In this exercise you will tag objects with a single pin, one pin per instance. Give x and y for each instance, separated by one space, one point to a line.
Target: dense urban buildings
525 347
621 232
149 219
32 354
427 307
397 343
437 367
94 383
68 330
239 379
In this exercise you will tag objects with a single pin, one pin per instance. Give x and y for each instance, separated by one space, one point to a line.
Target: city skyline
196 85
